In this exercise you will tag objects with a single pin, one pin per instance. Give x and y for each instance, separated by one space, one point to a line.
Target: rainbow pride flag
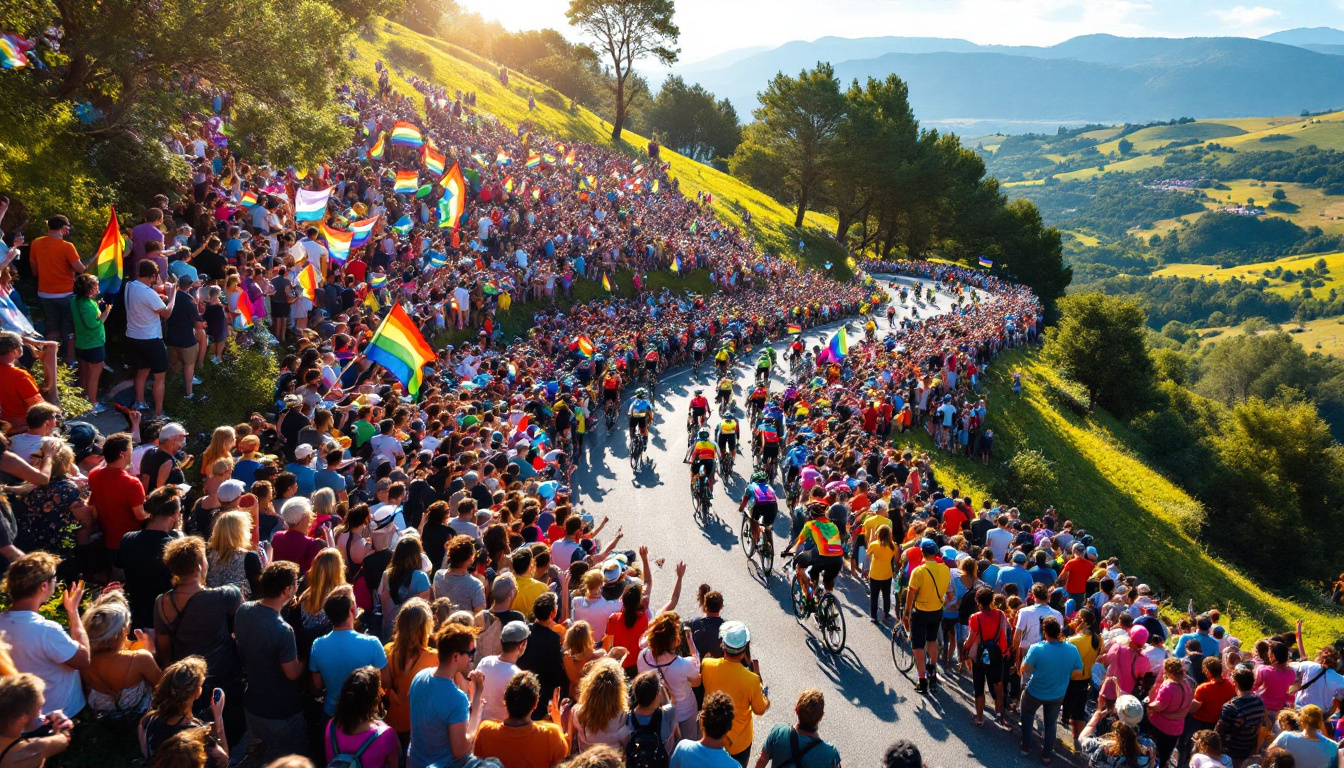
308 282
362 230
107 262
248 199
10 55
795 328
406 135
839 346
406 182
243 320
338 242
311 205
377 280
584 345
606 283
533 160
378 148
985 262
399 347
435 162
456 187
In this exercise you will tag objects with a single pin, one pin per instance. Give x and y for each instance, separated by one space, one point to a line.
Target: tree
1099 343
880 138
797 128
690 121
1125 146
1279 194
625 32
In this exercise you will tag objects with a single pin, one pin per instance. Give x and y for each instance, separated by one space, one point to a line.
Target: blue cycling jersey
641 408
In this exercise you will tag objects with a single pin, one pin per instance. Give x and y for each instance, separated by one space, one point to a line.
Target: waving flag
10 55
588 182
503 158
403 225
399 347
378 148
338 242
377 280
795 328
311 205
548 159
584 345
362 231
606 283
445 213
839 346
435 162
405 134
308 282
676 264
508 184
654 188
437 259
985 262
107 261
406 182
371 301
571 158
248 199
533 160
243 320
456 187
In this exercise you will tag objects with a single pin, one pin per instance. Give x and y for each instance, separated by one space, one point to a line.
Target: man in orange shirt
18 388
55 262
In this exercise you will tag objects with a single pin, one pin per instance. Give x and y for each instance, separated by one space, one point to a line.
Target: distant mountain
1333 50
1093 78
1307 36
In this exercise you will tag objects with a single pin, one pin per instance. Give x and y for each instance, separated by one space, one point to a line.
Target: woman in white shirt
678 674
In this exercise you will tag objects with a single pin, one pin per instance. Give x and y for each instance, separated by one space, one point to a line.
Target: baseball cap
734 635
303 452
1138 637
1129 710
1019 557
1091 553
514 632
172 429
230 490
611 570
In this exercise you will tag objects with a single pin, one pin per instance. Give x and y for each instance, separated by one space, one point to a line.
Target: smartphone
217 696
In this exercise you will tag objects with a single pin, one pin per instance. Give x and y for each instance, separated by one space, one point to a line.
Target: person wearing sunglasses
441 714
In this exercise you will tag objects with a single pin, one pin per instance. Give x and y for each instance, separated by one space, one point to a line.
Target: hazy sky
709 27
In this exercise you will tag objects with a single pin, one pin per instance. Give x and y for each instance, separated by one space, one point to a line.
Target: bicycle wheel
900 650
748 546
766 552
832 621
799 600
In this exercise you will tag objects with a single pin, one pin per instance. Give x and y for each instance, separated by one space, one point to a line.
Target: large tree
1099 343
797 129
626 31
689 120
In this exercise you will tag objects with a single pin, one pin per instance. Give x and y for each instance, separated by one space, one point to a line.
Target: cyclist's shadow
851 676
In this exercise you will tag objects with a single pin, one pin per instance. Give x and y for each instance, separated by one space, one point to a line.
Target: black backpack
645 748
990 654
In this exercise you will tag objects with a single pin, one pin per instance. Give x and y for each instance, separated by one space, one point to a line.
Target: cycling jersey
797 456
728 426
611 382
704 449
700 345
699 403
760 493
821 536
725 384
641 408
722 356
764 362
651 357
768 433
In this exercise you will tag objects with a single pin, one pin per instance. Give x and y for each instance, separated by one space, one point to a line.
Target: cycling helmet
758 477
699 391
641 392
703 434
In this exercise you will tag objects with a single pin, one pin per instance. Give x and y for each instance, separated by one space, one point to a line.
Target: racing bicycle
763 551
825 610
638 442
700 497
901 652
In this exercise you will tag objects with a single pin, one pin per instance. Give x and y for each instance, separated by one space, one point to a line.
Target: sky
710 27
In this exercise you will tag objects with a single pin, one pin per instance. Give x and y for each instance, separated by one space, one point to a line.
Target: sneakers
197 381
98 409
922 687
187 396
139 406
216 360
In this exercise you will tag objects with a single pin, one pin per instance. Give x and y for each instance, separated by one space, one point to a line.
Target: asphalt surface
869 704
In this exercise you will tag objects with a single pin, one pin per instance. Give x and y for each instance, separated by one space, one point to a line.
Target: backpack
345 759
990 654
488 642
645 748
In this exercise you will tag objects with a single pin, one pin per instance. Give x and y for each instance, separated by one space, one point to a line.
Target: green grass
1326 132
1151 138
1334 262
1129 164
1134 512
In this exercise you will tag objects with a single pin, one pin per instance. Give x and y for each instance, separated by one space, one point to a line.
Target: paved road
868 703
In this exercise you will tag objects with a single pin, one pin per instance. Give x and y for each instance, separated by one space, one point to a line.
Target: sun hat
734 635
1130 710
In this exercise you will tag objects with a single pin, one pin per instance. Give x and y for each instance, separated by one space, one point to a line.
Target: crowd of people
381 574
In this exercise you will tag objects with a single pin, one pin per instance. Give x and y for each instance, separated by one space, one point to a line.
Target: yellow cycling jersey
725 384
722 355
704 449
728 427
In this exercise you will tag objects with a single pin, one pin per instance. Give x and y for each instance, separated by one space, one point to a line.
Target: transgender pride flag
311 205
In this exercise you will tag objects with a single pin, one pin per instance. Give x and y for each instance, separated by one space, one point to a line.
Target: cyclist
870 329
725 393
721 359
699 408
796 458
764 505
611 390
924 600
766 441
651 362
819 550
726 435
763 364
704 455
640 413
698 352
756 400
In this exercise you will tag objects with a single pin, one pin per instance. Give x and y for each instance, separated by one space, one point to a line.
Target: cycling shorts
823 565
765 512
724 395
769 450
637 421
611 395
702 465
924 627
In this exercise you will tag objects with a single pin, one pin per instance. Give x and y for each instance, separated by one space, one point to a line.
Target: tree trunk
842 225
619 120
802 208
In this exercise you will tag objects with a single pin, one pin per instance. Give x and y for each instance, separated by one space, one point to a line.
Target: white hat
172 429
230 490
1129 710
303 452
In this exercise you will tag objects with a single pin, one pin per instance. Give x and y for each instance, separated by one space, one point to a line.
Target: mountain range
1093 78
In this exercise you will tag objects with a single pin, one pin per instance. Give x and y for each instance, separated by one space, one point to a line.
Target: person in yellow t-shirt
742 685
877 518
1088 642
881 555
529 589
924 602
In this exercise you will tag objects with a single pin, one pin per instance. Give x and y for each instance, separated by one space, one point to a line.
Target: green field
1334 262
1325 131
1136 163
1149 139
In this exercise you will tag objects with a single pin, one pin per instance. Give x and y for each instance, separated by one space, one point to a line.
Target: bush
1028 479
406 57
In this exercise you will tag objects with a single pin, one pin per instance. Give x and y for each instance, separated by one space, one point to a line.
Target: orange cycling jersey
825 538
611 382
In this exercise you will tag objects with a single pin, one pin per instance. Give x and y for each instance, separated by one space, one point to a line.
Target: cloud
1242 16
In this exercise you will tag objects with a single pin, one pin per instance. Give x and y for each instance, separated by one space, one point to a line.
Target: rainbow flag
571 158
243 320
508 184
437 259
311 205
839 346
406 135
362 230
338 242
986 263
378 148
445 212
10 55
377 280
308 282
533 160
403 225
795 328
107 262
399 347
606 283
435 162
676 264
248 199
456 187
503 158
584 345
406 182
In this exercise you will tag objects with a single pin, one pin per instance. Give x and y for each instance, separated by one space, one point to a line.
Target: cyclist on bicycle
820 552
726 435
763 364
698 351
651 362
796 458
756 400
704 455
767 441
721 358
699 408
611 390
640 413
764 505
725 393
924 600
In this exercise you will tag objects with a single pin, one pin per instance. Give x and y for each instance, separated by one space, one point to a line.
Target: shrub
1028 478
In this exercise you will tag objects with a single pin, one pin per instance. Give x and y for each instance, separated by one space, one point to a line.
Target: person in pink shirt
1125 665
1273 680
1168 705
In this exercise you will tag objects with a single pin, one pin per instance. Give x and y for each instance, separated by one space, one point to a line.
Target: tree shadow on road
854 680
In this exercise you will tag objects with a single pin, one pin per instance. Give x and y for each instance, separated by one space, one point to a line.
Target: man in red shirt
1076 572
18 388
115 494
955 517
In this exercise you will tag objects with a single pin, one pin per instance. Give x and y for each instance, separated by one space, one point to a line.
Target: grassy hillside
1133 511
457 68
1333 279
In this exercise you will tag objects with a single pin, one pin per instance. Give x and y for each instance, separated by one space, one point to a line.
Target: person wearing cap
924 600
1046 671
1199 641
159 467
1076 572
1015 573
730 676
500 669
1110 739
302 468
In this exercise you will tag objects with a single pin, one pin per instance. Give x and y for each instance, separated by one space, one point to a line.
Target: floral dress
49 523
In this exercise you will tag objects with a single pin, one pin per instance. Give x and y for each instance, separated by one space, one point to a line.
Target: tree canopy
689 120
1099 343
626 31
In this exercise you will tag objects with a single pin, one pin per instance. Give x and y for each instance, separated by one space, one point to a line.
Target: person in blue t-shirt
1199 641
343 650
1015 574
716 719
1046 671
440 710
